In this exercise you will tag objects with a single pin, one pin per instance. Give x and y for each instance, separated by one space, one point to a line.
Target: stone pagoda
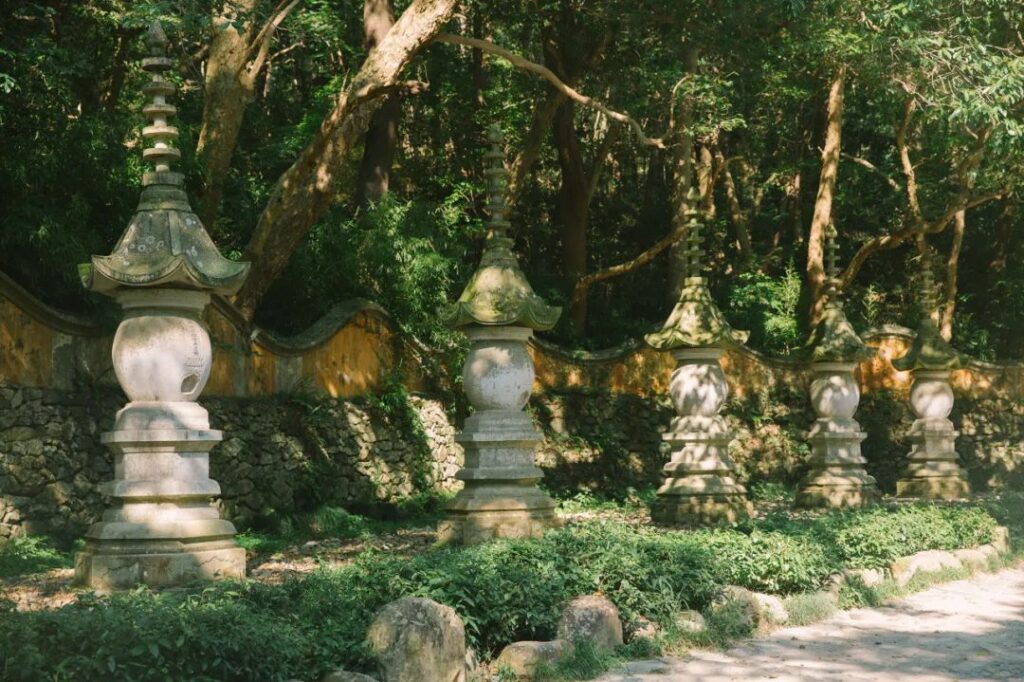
837 477
933 469
498 311
162 528
699 485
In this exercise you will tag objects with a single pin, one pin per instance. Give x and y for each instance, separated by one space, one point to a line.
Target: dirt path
965 631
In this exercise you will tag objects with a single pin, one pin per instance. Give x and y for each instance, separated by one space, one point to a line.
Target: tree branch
548 75
261 43
908 167
873 168
580 289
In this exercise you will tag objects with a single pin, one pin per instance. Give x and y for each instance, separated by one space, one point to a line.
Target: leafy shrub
32 554
504 591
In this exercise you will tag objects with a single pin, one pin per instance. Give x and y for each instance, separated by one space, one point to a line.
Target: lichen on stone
695 322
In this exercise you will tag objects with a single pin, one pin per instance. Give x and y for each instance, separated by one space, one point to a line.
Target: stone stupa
161 528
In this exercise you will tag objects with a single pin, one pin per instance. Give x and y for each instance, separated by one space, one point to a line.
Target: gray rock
523 658
415 640
689 621
929 561
1001 539
592 619
743 600
773 611
972 558
870 577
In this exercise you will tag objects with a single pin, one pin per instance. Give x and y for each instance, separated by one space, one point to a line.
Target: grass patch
813 607
31 554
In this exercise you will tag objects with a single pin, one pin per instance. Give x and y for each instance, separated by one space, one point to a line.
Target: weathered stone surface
972 558
417 639
929 561
642 628
1001 539
523 658
592 619
773 611
743 600
869 577
689 620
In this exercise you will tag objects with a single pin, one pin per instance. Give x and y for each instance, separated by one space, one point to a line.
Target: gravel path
966 630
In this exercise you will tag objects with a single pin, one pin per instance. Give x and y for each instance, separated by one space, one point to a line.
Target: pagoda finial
161 154
927 293
831 262
497 184
694 238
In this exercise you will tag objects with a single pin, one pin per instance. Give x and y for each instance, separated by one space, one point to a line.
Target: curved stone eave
835 340
929 351
535 314
102 277
696 322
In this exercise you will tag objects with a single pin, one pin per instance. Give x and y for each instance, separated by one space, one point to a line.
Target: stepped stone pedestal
699 485
837 477
933 470
500 498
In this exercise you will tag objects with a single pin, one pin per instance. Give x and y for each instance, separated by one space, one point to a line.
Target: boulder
1001 539
643 628
592 619
972 558
929 561
689 621
742 599
523 658
773 611
989 550
417 639
869 577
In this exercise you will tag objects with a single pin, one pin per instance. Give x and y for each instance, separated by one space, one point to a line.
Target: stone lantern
161 528
498 311
933 470
837 477
699 485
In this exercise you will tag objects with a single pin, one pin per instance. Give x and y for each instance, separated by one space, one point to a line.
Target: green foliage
768 307
30 554
504 591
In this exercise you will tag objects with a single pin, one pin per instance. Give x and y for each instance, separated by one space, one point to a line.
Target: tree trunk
682 173
793 207
706 182
306 190
826 191
382 133
736 214
952 267
540 123
227 93
574 208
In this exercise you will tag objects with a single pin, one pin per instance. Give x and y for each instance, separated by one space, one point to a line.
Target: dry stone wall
280 456
284 455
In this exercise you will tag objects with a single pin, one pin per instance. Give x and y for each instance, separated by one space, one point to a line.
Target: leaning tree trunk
574 208
227 92
826 192
382 133
306 190
952 269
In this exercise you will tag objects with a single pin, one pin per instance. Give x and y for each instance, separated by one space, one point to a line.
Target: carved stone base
933 470
693 510
105 567
501 498
162 529
837 478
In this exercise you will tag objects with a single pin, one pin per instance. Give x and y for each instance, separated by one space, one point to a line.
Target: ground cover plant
505 591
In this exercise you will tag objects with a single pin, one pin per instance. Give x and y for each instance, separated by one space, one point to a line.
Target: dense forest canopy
338 146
